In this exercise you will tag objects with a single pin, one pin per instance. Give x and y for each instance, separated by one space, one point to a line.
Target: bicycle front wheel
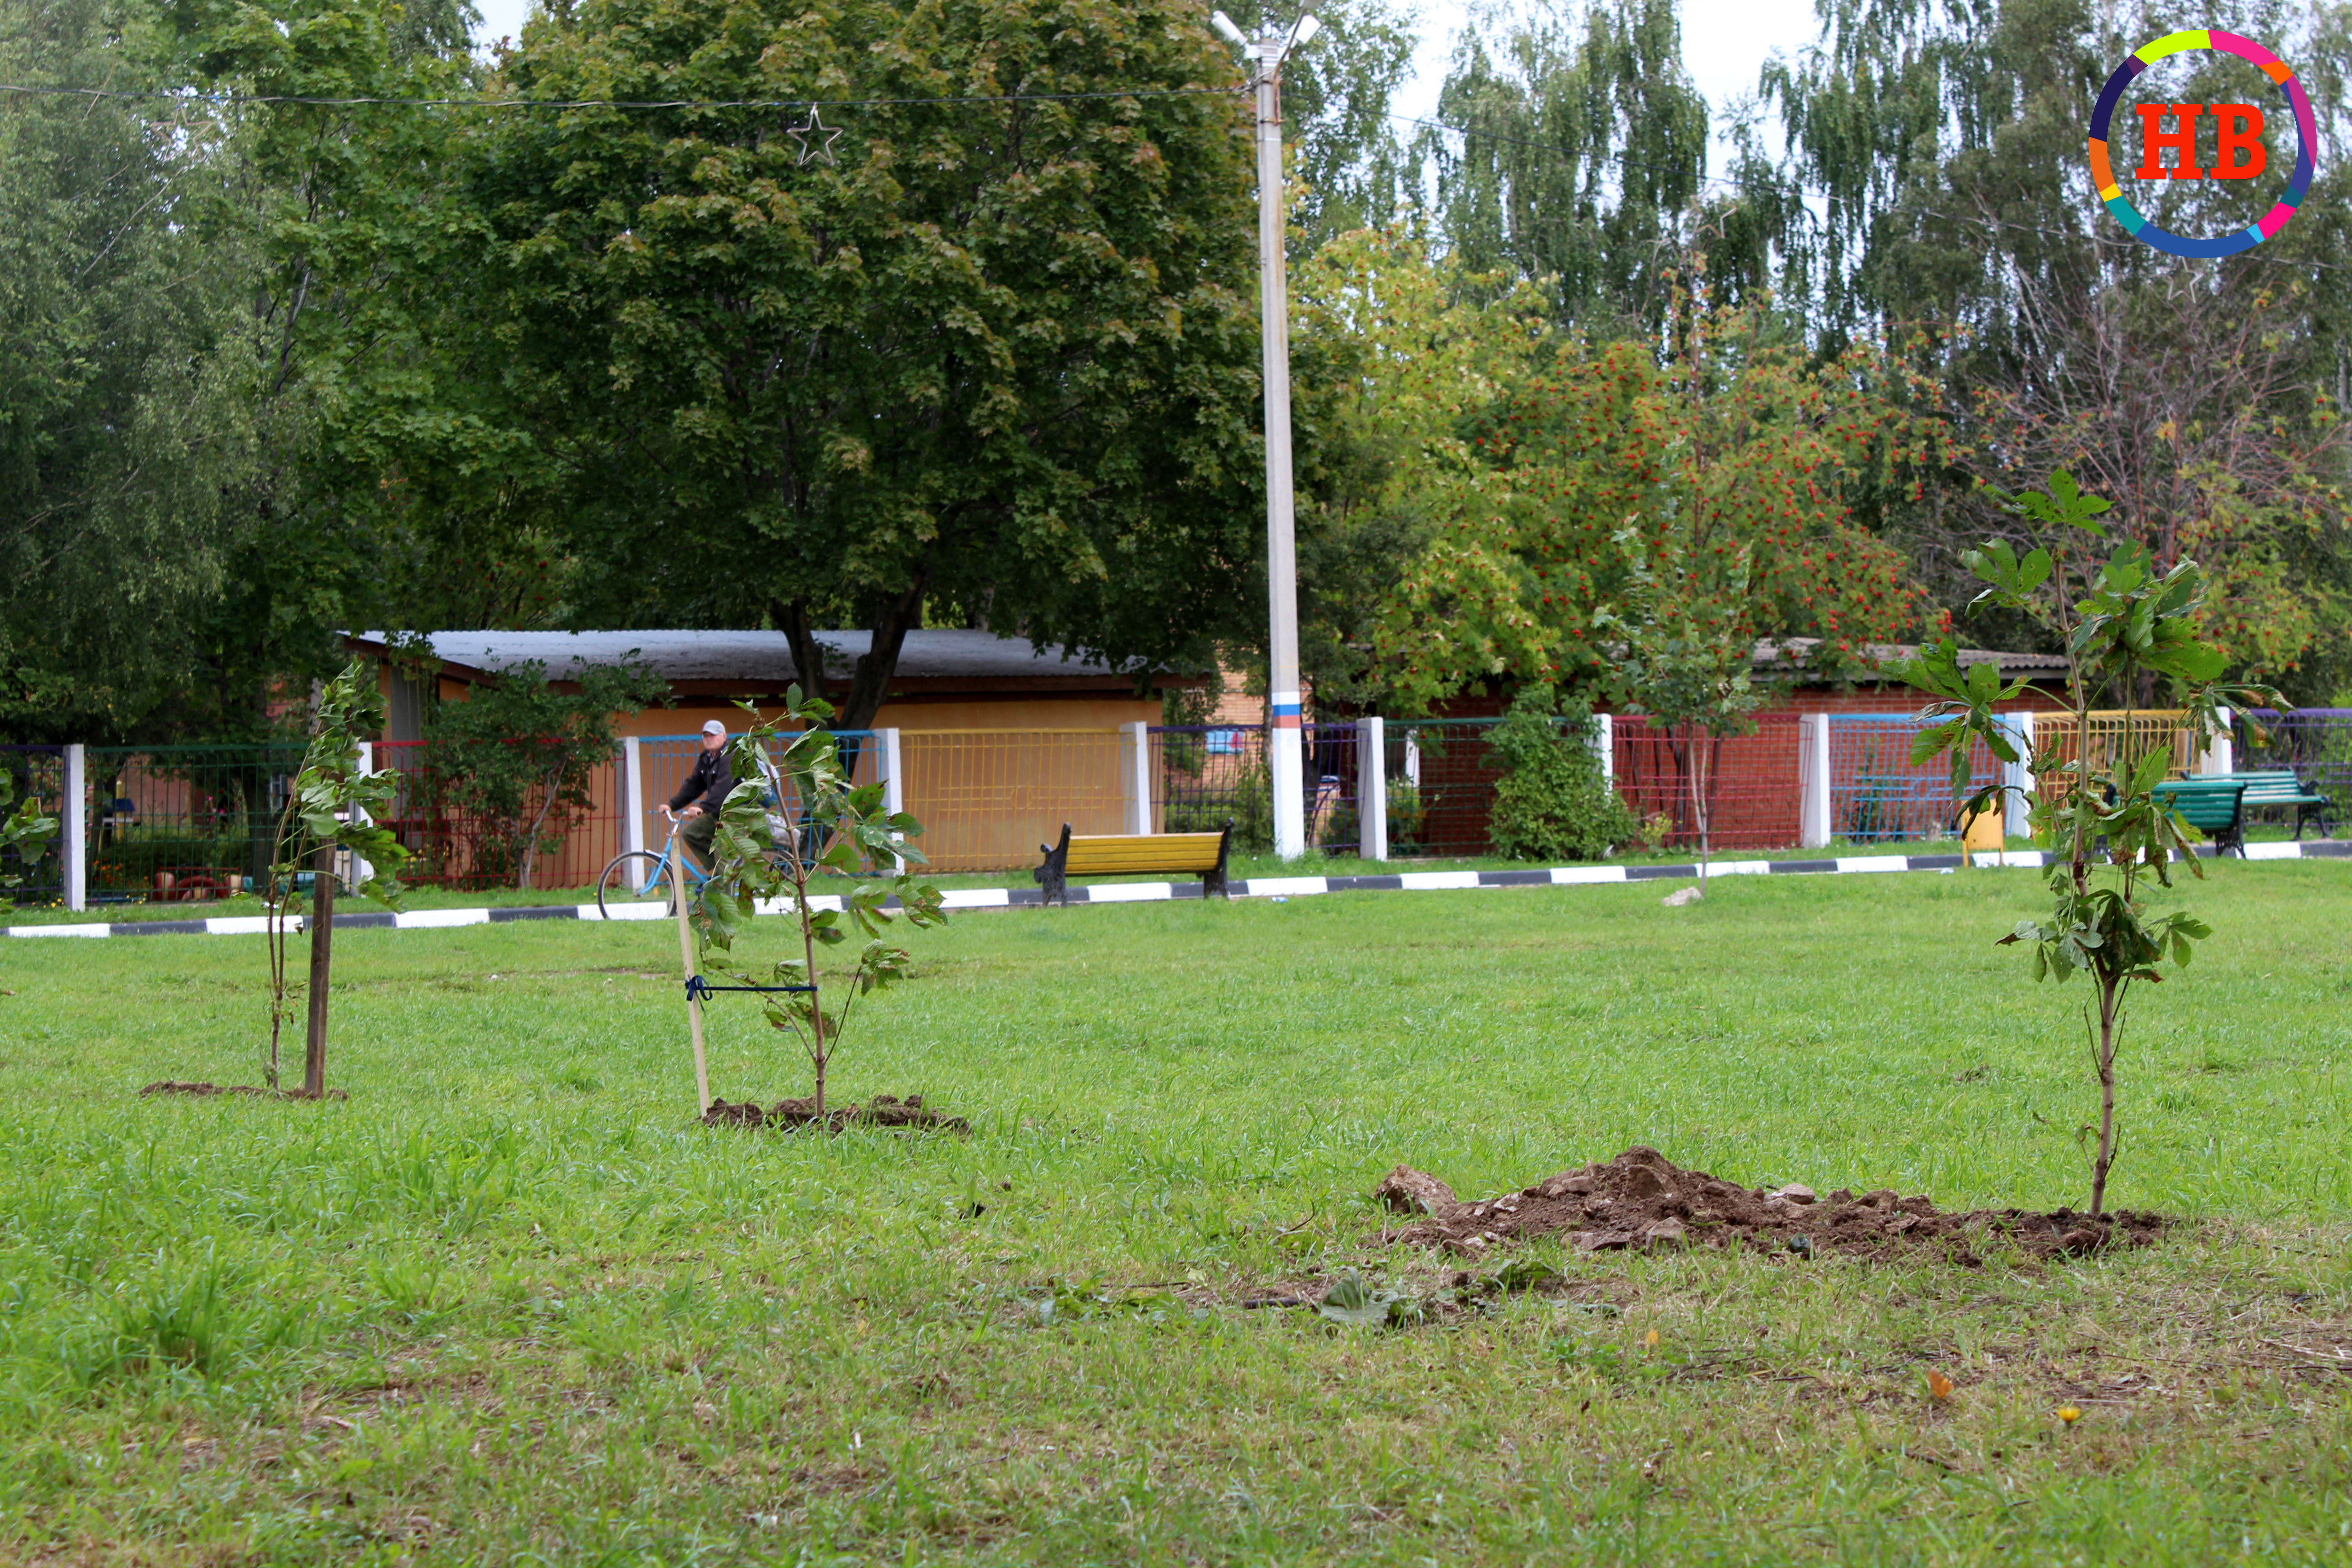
634 880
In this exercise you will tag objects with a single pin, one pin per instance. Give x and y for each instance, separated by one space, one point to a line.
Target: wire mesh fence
183 823
2118 738
37 773
2313 743
518 812
1878 796
1749 785
1204 776
665 760
190 823
1440 787
988 798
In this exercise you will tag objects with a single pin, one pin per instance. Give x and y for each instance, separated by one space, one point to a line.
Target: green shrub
1553 803
1246 796
1407 811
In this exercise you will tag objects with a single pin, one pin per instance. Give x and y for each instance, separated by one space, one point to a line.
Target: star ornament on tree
806 133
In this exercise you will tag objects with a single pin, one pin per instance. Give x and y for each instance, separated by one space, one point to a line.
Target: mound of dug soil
882 1110
1642 1200
198 1090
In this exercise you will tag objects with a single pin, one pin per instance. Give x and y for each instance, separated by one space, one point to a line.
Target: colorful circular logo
2104 178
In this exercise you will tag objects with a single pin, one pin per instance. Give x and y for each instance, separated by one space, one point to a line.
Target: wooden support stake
686 960
322 944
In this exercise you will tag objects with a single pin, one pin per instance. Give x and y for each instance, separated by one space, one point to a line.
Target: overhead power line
225 99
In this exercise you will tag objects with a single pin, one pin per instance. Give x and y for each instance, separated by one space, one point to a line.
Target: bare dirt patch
882 1110
198 1090
1641 1199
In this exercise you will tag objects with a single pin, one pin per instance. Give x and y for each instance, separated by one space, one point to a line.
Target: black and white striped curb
1162 892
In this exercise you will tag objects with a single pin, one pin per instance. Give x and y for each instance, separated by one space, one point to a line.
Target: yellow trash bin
1983 832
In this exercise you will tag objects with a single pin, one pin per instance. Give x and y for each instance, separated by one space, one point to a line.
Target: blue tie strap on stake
696 987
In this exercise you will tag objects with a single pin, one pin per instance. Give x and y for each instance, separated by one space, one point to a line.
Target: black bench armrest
1053 875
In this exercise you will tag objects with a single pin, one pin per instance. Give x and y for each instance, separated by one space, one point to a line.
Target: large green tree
121 410
1944 143
1577 156
194 333
989 361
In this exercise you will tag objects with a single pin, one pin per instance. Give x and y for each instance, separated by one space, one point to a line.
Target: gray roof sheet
1793 652
760 658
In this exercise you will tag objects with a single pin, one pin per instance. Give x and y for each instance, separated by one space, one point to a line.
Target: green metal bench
2282 787
2215 806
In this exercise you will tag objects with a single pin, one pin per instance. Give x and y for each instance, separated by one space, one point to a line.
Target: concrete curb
1162 892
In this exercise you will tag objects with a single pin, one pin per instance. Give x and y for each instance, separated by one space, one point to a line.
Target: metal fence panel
1876 793
1753 784
183 823
2315 742
547 830
988 798
1205 774
666 760
2119 738
1441 787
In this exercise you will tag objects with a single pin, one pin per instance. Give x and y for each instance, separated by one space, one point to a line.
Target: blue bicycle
635 878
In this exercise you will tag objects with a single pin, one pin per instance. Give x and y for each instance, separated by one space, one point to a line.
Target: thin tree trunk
550 786
2107 1066
322 937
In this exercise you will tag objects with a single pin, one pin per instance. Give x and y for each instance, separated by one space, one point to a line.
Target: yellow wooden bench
1127 854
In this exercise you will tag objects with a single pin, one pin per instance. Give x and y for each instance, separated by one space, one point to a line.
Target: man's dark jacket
707 784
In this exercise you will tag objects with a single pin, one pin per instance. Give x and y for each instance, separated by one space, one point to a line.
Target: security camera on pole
1283 754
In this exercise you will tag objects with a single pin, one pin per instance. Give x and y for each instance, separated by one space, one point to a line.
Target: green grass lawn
508 1305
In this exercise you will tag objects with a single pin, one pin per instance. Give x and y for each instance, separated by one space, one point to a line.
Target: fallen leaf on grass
1347 1301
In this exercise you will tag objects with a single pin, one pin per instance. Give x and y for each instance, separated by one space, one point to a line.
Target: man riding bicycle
695 807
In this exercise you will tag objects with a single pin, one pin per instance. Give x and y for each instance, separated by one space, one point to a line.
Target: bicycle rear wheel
635 878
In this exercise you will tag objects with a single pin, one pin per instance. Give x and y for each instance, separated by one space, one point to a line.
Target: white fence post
73 828
358 869
1604 746
2016 777
1813 814
1372 789
632 794
1135 776
894 781
2219 753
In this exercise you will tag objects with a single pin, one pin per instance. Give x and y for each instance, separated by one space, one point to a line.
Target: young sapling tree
2102 822
1684 657
332 805
793 824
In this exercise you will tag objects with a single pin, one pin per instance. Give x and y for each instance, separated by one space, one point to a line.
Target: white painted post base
1135 776
2016 777
633 795
358 869
1813 815
73 827
1372 789
2218 754
894 781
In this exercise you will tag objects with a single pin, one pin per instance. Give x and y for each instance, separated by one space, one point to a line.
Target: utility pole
1284 760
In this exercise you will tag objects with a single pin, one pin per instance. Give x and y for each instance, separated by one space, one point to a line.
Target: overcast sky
1725 42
